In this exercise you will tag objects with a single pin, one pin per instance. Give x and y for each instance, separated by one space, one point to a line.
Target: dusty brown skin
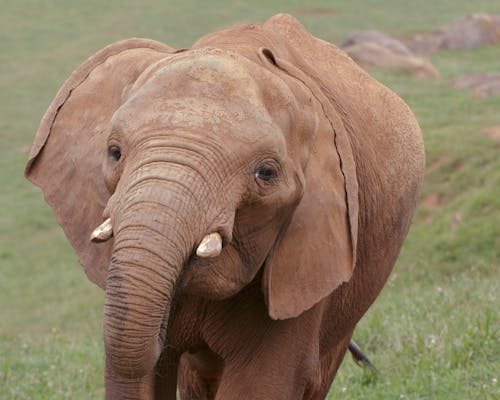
307 167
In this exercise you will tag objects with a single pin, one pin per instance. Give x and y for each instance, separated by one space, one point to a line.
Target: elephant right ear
66 157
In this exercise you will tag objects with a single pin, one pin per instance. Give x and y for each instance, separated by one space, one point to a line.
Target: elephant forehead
210 91
197 116
220 78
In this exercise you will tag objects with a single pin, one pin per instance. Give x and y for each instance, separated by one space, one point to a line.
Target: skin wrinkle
136 343
174 165
214 165
209 170
125 308
140 329
169 213
195 144
177 187
162 260
208 167
147 332
145 192
139 229
139 281
168 239
138 297
132 340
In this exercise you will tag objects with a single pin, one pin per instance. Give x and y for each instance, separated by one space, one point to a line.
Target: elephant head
172 146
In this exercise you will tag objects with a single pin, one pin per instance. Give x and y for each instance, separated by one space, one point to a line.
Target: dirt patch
493 132
482 85
468 32
376 49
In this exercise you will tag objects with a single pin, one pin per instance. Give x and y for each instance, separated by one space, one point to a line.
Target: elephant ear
317 251
66 157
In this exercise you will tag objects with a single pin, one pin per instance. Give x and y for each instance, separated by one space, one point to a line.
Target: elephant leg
166 377
199 375
282 367
261 381
330 364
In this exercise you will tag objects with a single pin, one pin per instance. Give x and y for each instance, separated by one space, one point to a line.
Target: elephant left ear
71 143
317 251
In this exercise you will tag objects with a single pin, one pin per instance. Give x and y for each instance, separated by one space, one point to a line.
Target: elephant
241 202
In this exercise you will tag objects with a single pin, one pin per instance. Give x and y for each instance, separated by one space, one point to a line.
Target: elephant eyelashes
114 152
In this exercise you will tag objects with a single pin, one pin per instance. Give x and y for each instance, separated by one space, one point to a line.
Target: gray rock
376 49
471 31
379 38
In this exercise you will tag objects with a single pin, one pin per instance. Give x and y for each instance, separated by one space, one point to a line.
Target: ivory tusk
103 232
210 246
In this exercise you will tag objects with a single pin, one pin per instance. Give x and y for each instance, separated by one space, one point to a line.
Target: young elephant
257 188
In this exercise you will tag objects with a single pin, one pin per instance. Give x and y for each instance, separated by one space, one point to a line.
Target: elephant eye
114 152
266 173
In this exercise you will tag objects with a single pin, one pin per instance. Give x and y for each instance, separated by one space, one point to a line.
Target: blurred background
434 331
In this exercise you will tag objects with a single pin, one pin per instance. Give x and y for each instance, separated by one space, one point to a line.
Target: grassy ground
433 333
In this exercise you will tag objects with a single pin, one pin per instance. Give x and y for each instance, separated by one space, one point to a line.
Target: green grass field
434 331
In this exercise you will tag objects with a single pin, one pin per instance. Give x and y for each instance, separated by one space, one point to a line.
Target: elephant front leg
281 366
166 376
262 382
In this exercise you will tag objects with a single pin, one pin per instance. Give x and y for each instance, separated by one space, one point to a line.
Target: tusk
210 246
103 232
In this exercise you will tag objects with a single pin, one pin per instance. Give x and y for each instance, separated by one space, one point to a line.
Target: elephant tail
359 357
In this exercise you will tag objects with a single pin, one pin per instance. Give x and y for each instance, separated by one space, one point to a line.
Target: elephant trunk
155 232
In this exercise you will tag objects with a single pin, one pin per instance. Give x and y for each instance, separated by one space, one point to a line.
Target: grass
434 331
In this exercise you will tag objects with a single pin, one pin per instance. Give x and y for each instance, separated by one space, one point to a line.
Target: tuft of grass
432 334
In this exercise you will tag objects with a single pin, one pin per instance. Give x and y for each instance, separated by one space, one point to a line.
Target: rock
471 31
379 38
425 44
482 85
373 49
